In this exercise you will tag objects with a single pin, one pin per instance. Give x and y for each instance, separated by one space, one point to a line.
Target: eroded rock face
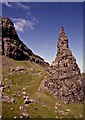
65 62
13 47
65 80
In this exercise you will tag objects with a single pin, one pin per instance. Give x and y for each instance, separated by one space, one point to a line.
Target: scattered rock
25 115
27 101
2 84
57 117
26 105
80 116
14 95
2 89
18 68
21 107
17 94
61 112
11 81
24 97
56 107
24 93
15 117
8 90
11 109
1 116
27 97
8 99
12 100
11 69
24 88
21 116
68 110
58 104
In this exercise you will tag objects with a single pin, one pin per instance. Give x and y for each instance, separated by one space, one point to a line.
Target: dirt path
41 87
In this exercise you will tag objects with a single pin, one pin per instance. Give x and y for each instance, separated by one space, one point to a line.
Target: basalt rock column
64 80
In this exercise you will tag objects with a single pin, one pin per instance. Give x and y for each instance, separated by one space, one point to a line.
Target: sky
38 26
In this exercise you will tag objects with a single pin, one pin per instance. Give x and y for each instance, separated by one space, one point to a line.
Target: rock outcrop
13 47
65 62
65 80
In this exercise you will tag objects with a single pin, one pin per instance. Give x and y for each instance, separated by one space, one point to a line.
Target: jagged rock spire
62 31
64 80
64 60
63 40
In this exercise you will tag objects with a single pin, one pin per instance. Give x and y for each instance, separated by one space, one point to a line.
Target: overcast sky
38 26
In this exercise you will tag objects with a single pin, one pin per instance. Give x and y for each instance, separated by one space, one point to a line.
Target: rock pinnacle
65 80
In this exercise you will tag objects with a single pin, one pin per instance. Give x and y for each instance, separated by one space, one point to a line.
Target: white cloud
35 20
21 24
21 5
7 4
32 17
16 4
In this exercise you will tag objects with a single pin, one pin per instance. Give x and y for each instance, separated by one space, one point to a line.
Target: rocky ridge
65 80
13 47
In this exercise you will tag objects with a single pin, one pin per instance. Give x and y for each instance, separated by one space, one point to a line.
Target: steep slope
65 80
22 79
13 47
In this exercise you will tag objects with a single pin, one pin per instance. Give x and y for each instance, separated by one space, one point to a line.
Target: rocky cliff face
65 80
13 47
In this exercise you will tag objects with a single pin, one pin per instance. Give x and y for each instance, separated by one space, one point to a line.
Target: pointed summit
62 32
63 40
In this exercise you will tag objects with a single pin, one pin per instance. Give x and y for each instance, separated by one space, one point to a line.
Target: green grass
30 80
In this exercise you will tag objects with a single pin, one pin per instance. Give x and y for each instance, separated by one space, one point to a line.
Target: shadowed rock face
13 47
65 80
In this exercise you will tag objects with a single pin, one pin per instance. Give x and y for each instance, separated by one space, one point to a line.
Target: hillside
23 78
12 45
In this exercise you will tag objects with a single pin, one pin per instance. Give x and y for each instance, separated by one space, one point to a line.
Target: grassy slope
30 80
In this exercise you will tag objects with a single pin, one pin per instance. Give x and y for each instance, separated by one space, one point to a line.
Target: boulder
27 101
6 98
25 115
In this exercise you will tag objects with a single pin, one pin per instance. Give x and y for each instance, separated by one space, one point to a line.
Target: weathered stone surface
27 101
13 47
21 107
25 115
65 80
7 99
11 109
